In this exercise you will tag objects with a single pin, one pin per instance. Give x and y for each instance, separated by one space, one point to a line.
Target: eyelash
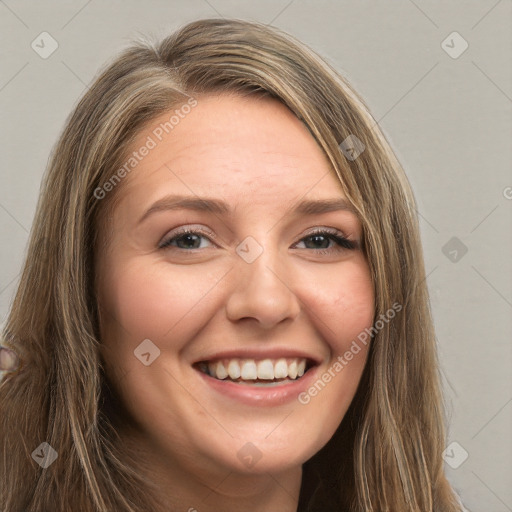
339 240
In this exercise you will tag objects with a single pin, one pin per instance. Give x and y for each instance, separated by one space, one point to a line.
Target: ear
9 360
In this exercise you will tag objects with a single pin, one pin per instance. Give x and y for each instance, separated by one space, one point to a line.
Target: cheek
343 303
155 300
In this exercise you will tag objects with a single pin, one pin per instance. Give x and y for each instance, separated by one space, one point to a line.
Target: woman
224 302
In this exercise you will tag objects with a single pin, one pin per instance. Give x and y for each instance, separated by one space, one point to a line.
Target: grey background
448 119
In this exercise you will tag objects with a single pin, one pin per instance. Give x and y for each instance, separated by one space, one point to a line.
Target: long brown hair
386 454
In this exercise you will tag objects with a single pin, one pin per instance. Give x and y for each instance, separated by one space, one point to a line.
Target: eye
325 241
321 240
185 239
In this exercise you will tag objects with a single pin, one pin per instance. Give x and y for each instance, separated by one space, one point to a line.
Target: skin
8 360
255 155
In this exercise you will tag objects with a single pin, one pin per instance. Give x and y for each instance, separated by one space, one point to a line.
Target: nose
262 292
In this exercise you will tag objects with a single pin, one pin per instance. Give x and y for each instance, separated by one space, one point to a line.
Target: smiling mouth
265 372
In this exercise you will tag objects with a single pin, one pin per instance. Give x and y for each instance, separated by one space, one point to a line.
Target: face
233 288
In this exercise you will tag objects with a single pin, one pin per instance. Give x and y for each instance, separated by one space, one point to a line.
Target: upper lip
260 354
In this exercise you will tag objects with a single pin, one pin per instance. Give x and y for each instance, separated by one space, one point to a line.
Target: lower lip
261 396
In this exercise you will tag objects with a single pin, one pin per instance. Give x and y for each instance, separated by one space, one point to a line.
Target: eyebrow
305 207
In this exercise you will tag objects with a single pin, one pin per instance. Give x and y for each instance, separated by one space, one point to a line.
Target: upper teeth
249 369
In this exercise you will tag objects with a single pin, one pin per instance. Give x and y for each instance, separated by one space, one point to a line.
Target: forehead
230 146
